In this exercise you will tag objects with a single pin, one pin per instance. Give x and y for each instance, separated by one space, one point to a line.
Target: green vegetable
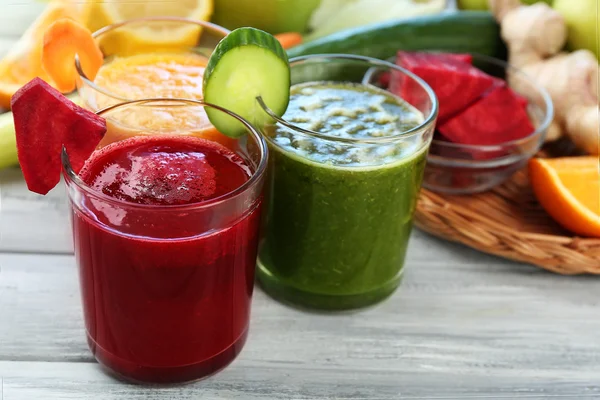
273 16
336 15
8 141
483 4
464 31
246 64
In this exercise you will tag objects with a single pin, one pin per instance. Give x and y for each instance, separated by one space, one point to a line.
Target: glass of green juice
346 165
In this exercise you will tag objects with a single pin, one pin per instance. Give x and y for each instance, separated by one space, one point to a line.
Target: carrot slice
289 39
62 41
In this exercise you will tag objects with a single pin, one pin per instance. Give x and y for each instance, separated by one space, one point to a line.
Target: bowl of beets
487 129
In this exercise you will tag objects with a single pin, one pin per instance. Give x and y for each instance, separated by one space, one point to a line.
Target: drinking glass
184 55
166 289
339 210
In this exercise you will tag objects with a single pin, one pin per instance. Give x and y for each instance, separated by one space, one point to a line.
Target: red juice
167 255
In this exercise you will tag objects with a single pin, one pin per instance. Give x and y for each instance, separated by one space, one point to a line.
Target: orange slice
569 190
24 60
63 40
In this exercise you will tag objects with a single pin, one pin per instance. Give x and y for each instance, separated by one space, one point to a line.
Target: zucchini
452 31
246 64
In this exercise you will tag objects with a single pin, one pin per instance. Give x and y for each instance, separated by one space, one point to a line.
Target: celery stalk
8 141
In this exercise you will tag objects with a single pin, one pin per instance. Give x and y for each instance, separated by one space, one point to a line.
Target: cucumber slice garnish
246 64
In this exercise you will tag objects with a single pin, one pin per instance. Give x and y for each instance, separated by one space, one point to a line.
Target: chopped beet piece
45 121
497 118
454 80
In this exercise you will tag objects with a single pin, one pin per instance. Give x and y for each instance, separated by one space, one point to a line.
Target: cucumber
246 64
453 31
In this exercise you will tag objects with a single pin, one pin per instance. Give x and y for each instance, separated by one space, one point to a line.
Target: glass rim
373 62
256 176
110 28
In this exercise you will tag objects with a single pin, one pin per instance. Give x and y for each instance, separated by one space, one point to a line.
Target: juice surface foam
165 170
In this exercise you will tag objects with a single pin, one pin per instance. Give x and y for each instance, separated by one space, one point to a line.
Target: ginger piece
535 36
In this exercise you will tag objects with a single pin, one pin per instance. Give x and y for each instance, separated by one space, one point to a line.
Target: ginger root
535 36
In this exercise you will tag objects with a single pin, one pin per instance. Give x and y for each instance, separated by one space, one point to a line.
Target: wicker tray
508 222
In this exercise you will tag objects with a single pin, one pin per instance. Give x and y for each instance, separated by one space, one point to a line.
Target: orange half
569 190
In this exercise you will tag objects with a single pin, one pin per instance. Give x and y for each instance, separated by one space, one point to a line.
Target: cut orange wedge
569 190
63 40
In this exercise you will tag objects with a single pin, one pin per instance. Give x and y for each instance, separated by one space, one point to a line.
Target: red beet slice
45 121
454 80
521 99
458 57
497 118
501 82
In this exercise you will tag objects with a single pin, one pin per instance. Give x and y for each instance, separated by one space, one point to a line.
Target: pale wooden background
463 326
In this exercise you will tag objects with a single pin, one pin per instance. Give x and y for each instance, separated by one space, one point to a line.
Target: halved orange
569 190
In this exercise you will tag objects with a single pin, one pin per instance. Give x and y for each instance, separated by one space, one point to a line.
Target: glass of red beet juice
165 227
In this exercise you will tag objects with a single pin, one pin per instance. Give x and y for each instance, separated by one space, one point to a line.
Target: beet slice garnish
497 118
45 122
456 83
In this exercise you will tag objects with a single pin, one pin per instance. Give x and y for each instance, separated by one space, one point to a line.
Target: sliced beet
522 100
45 121
465 58
497 118
456 83
501 82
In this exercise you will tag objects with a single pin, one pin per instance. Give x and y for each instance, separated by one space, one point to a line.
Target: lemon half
146 36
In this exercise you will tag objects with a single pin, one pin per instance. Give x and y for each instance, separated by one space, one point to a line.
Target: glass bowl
465 169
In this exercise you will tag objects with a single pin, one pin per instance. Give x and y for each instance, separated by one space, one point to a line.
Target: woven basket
508 222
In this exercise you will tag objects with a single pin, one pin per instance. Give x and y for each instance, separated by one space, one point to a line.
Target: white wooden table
463 325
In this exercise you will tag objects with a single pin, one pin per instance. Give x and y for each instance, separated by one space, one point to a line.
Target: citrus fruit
24 60
569 190
148 35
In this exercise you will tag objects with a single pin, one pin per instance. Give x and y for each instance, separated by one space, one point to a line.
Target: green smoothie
340 204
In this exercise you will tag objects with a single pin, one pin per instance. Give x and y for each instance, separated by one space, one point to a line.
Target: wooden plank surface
463 325
30 222
249 380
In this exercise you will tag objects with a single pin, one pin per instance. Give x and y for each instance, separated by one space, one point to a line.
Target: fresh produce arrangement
459 32
553 42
